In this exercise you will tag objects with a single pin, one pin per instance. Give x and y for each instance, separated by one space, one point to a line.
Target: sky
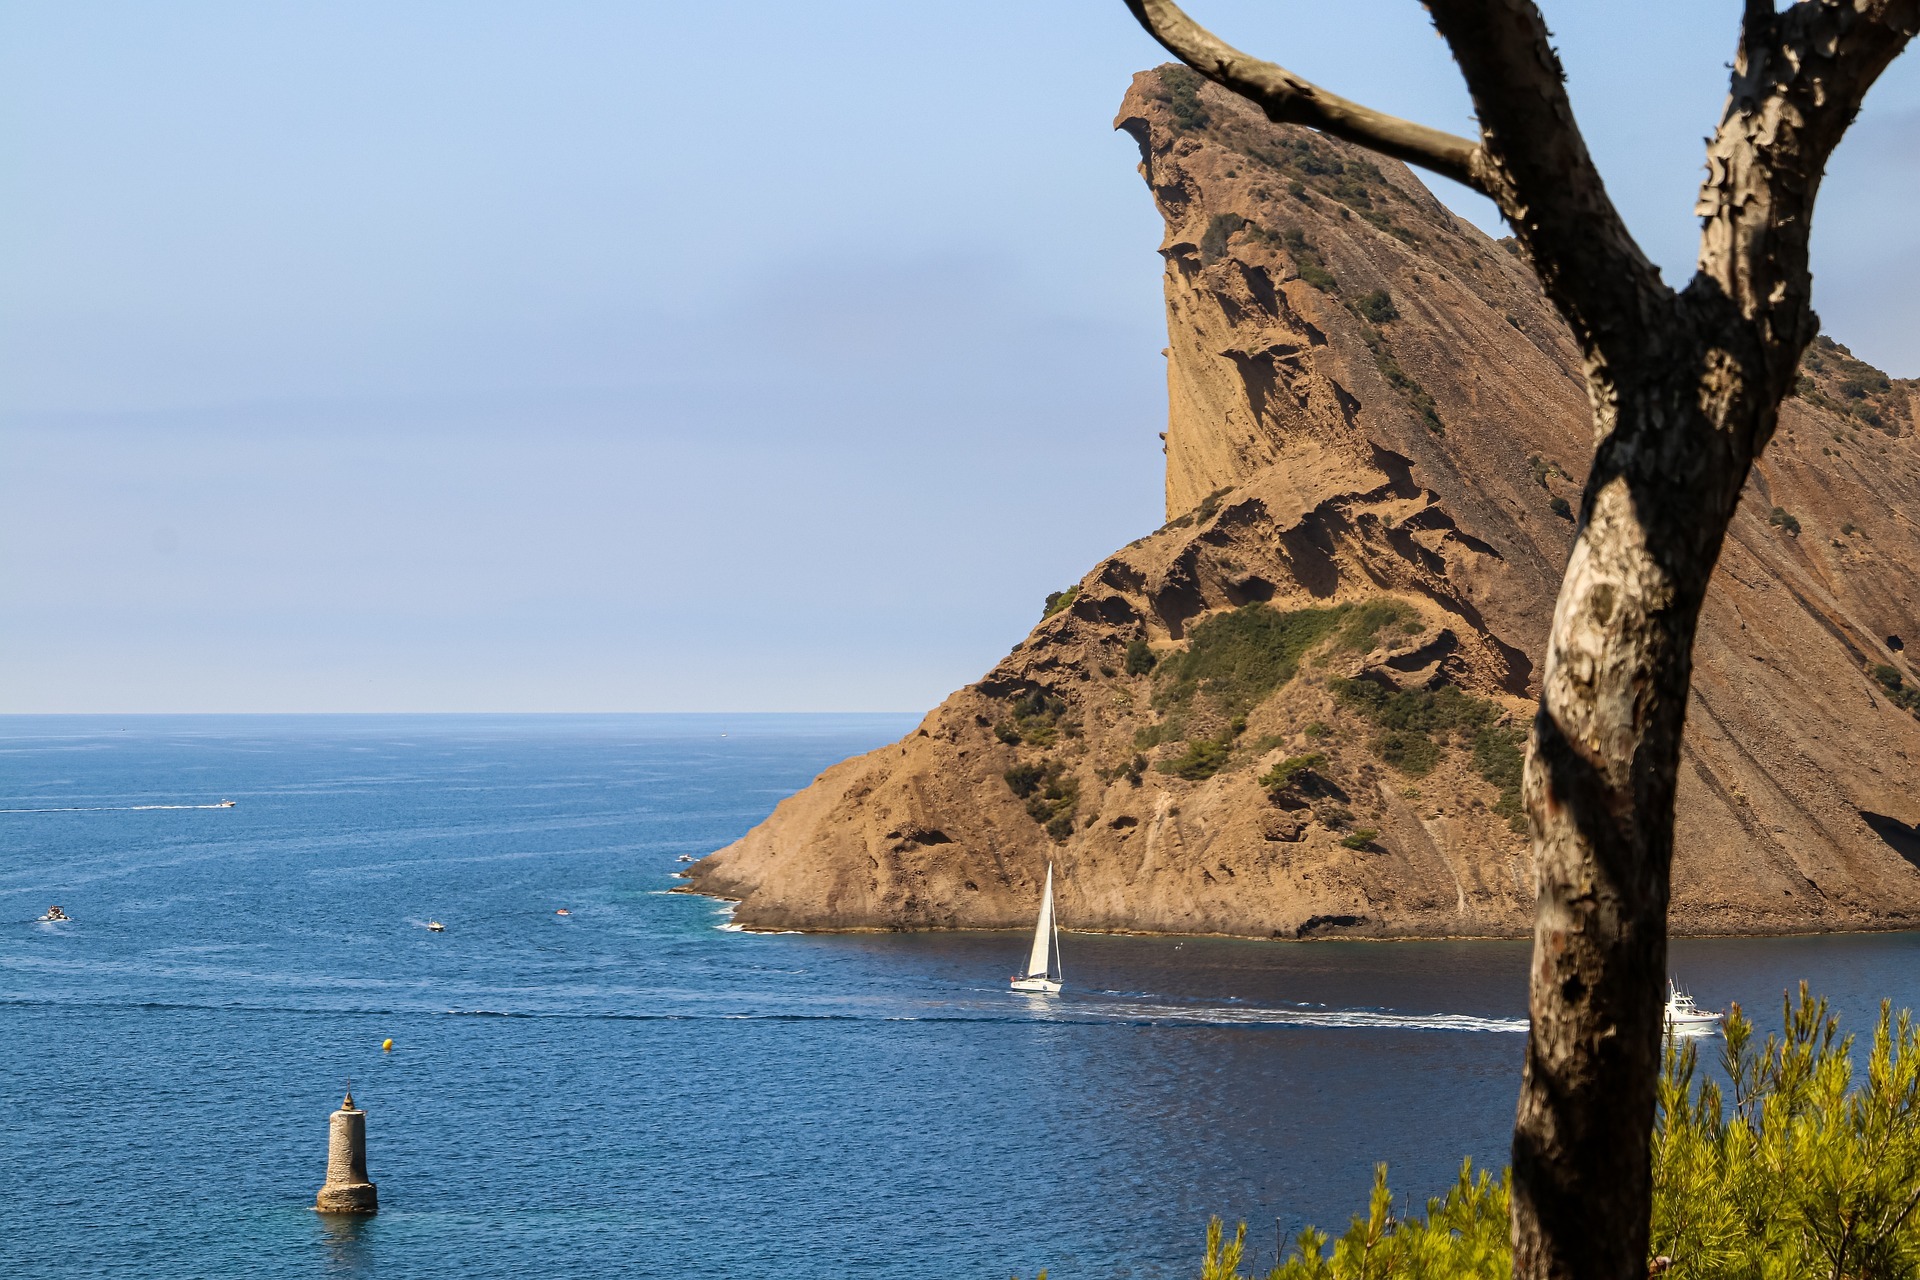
463 355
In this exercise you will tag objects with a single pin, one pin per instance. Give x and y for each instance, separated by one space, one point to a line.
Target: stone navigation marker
347 1189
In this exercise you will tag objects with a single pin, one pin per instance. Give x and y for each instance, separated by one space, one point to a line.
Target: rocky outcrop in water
1292 710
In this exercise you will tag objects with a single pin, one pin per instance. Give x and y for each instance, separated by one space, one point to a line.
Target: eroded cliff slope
1293 710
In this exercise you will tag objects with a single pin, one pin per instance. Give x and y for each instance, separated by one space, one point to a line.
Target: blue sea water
636 1090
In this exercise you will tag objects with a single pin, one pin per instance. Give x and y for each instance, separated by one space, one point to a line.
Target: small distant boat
685 857
562 911
1684 1017
224 804
1043 973
55 916
434 926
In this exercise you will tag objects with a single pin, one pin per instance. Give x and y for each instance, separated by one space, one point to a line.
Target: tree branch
1799 77
1287 99
1539 171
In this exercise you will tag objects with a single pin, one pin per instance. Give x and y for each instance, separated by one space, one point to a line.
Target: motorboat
1043 972
434 926
1684 1017
224 804
685 857
562 911
55 916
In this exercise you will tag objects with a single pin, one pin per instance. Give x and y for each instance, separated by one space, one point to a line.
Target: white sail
1042 932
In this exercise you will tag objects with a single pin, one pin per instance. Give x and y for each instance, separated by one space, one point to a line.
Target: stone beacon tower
347 1189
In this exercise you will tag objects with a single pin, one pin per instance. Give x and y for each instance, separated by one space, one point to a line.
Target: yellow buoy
386 1046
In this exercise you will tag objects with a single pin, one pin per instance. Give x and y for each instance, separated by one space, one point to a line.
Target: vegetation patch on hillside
1307 263
1414 728
1205 757
1418 398
1833 379
1037 720
1290 771
1051 795
1058 600
1181 92
1234 661
1898 691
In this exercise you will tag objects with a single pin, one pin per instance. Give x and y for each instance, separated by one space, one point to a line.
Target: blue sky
643 356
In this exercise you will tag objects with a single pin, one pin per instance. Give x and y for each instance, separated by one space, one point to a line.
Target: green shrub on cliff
1182 97
1052 796
1284 774
1238 658
1213 242
1038 718
1233 661
1140 657
1414 725
1362 624
1376 306
1898 691
1203 758
1802 1166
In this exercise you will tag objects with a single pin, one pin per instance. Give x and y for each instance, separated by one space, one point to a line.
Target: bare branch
1537 167
1287 99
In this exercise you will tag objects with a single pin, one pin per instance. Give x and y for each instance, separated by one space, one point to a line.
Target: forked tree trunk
1599 787
1686 388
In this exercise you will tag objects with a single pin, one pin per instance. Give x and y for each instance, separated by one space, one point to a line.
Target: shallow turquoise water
633 1090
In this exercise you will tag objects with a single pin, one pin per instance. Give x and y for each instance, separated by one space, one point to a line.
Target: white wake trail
116 808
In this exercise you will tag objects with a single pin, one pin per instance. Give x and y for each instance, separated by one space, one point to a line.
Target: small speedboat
224 804
1043 973
685 857
55 916
562 911
1684 1017
434 926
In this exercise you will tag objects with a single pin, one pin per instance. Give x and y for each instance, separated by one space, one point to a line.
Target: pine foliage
1791 1164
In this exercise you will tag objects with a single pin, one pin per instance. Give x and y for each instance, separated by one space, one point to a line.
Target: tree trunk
1686 388
1599 788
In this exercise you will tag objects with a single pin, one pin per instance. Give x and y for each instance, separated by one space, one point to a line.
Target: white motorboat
434 926
1686 1018
1043 973
55 916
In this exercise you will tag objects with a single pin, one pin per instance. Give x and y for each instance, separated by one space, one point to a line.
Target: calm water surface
634 1089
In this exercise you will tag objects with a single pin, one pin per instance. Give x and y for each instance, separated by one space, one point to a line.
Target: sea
637 1087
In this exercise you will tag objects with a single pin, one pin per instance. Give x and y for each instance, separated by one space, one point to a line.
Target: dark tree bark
1686 388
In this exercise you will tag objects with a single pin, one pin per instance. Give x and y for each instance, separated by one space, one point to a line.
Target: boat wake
119 808
1282 1016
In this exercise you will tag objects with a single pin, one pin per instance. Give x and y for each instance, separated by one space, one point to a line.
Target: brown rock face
1291 710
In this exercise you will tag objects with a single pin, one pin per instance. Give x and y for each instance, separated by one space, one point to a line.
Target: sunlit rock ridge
1291 710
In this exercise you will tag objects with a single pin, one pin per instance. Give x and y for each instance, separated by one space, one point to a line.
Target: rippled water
635 1090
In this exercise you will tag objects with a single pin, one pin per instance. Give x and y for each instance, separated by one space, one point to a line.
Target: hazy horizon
583 358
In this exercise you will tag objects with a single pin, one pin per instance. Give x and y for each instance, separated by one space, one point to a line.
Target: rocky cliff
1293 709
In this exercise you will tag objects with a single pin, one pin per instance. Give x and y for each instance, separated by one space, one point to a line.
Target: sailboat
1043 962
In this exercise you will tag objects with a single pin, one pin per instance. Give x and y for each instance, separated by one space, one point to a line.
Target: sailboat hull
1046 986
